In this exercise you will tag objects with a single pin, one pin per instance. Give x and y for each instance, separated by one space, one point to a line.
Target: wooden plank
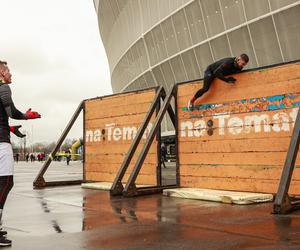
187 89
225 92
105 106
132 97
244 158
122 102
234 146
113 149
247 185
258 172
119 111
117 158
118 144
121 143
106 177
122 120
113 168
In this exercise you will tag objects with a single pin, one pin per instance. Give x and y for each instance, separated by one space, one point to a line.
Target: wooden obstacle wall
252 125
110 125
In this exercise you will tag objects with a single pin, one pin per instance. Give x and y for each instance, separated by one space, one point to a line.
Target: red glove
12 129
16 131
32 114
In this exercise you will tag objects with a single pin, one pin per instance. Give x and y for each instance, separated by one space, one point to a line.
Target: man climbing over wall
7 110
220 69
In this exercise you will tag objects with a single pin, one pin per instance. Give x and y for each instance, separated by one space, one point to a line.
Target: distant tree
47 147
67 145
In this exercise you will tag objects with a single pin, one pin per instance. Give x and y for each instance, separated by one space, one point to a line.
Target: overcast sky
57 59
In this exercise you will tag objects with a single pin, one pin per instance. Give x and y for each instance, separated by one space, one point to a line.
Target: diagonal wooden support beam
282 202
170 110
39 181
117 186
130 188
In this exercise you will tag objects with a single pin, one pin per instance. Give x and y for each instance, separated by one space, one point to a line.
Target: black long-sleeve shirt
223 67
7 109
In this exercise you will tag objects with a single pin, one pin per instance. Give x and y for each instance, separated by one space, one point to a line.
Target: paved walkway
75 218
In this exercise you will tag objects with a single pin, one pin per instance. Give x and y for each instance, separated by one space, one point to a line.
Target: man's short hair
3 65
244 57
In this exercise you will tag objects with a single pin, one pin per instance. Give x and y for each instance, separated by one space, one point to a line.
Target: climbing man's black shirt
223 67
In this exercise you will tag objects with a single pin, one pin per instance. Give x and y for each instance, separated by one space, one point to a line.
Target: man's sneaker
190 106
2 232
4 241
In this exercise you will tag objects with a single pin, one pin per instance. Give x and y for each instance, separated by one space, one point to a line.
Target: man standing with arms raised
7 110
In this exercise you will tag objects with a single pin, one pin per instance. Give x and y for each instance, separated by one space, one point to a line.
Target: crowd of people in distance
41 156
35 157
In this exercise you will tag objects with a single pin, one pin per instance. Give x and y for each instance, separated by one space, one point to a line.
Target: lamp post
24 143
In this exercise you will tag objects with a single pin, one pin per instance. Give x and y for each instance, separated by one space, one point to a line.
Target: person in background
27 157
32 158
17 157
163 155
68 156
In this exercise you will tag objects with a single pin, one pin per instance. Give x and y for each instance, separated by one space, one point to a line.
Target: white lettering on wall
199 128
117 134
97 135
129 133
256 122
113 133
281 122
225 124
187 125
89 135
221 119
234 125
109 130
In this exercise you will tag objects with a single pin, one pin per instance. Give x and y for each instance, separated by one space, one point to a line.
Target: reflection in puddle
53 222
45 207
101 209
56 226
125 210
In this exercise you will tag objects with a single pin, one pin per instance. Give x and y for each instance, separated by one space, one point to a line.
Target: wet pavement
75 218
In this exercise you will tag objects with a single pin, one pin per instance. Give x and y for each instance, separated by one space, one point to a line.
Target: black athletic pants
6 184
207 80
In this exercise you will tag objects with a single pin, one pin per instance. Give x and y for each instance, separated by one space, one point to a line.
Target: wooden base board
103 185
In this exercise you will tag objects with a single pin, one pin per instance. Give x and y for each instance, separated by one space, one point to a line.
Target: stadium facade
161 42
